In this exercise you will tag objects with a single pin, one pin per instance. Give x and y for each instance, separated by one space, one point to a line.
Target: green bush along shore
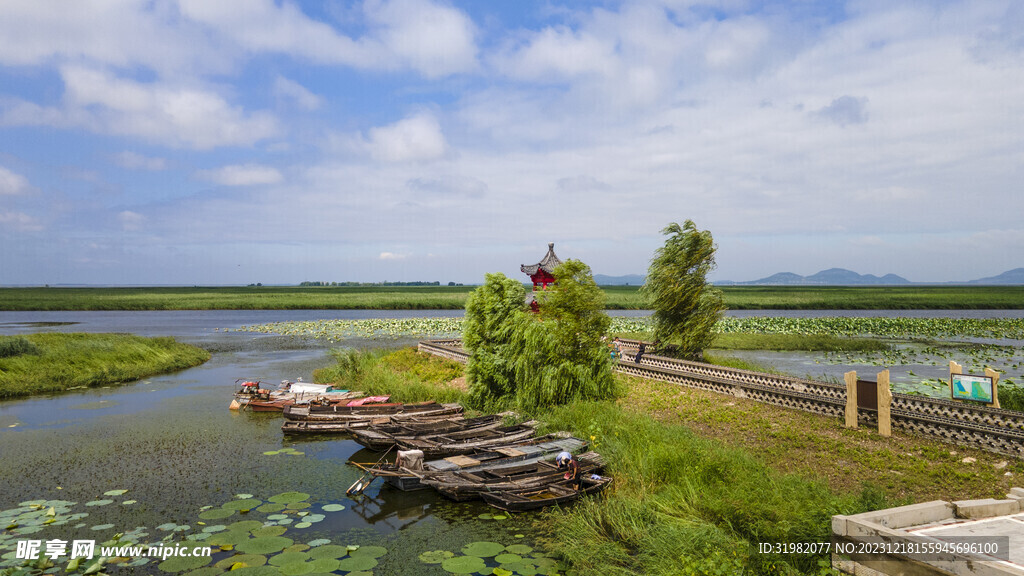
454 298
55 362
701 478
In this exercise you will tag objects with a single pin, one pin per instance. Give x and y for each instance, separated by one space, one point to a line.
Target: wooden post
995 380
884 404
954 368
851 398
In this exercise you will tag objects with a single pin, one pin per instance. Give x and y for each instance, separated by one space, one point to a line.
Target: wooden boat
461 485
534 498
455 443
356 422
252 396
347 399
339 412
382 437
494 459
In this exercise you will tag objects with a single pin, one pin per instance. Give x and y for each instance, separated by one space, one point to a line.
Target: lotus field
924 344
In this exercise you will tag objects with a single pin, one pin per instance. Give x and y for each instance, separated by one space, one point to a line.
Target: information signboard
969 387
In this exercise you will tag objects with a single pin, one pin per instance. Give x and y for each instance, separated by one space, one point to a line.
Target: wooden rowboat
455 443
534 498
356 422
461 486
494 459
383 437
339 412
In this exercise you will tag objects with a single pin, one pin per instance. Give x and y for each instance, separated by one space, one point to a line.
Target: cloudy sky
276 141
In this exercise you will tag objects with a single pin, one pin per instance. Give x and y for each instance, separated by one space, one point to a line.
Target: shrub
11 346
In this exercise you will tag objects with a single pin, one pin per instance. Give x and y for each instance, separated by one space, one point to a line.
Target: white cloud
131 221
297 93
11 183
242 175
18 222
436 40
845 110
135 161
159 112
415 138
392 256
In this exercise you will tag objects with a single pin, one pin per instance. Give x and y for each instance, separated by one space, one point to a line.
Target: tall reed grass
55 362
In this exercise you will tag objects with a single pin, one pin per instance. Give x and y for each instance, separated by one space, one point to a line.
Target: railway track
977 426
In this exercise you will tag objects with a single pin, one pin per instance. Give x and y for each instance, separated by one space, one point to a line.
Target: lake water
171 442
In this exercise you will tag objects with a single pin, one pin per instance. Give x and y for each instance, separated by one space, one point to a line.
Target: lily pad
215 528
243 496
333 507
183 563
519 548
246 525
265 545
288 558
328 551
228 538
246 560
483 549
102 527
129 502
289 497
354 563
369 552
115 492
247 504
319 542
265 531
436 556
205 571
216 514
271 507
303 525
271 452
277 517
463 564
256 571
325 565
103 502
506 558
296 568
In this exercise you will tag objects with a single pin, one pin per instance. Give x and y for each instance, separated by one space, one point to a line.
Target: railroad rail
977 426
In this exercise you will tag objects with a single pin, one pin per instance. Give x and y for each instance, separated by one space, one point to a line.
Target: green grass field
55 362
454 298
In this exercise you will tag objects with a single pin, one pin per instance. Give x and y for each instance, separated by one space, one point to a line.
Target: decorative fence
977 426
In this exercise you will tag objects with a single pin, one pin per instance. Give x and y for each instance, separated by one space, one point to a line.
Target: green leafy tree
534 360
685 306
493 312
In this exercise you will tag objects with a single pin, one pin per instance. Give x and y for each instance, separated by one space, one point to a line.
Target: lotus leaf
303 525
435 556
296 506
319 542
328 551
102 527
265 545
324 565
288 558
247 504
519 548
289 497
103 502
205 571
285 522
228 538
297 568
485 516
522 568
265 531
483 549
271 452
277 517
506 558
243 496
369 552
297 547
183 563
128 502
333 507
271 507
246 525
315 517
215 528
243 559
463 564
114 492
352 564
502 572
216 514
256 571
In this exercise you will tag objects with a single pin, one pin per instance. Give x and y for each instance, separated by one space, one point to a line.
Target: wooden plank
510 452
462 461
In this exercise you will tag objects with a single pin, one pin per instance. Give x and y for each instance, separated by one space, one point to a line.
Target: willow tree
685 306
532 360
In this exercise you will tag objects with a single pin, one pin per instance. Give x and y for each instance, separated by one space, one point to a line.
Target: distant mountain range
830 277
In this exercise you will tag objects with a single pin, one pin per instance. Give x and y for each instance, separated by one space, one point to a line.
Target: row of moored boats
508 466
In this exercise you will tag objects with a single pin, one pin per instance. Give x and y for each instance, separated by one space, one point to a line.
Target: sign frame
967 382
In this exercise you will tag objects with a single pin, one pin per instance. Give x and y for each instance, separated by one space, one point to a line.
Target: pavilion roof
547 264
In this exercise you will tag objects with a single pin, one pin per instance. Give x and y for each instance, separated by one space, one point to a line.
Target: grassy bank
454 298
701 478
53 362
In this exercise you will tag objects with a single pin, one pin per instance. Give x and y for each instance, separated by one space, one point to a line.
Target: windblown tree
685 306
532 360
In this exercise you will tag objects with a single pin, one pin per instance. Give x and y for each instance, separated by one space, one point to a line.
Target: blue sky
239 141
